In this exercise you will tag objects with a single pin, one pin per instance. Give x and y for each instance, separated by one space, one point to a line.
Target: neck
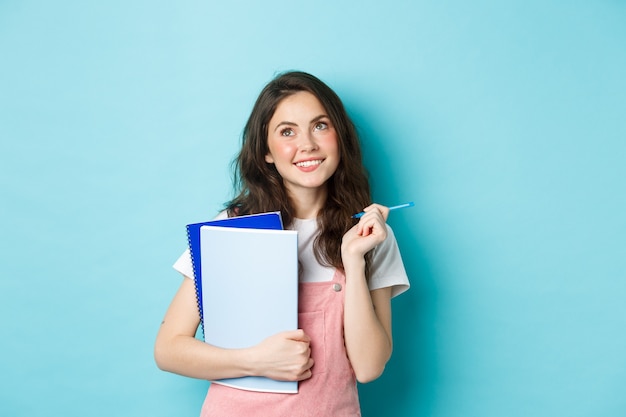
308 203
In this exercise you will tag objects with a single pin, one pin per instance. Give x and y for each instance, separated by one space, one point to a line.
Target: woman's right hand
285 356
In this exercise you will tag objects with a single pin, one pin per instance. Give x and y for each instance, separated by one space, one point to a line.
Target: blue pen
405 205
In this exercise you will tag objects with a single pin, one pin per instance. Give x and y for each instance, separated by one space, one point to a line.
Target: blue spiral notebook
246 279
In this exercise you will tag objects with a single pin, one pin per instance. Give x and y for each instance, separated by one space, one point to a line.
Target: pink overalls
330 392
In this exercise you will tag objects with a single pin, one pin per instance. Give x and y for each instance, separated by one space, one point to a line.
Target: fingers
305 348
297 335
304 371
286 356
374 218
373 208
308 372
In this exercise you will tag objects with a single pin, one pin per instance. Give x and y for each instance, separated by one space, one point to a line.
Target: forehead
298 107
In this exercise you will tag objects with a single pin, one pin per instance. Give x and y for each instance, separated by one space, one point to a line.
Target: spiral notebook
246 278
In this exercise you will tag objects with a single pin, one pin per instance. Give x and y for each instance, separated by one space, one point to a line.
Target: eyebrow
288 123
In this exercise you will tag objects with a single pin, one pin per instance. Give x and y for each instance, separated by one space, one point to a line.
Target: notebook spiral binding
196 280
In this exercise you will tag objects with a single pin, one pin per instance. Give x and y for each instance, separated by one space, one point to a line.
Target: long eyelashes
287 132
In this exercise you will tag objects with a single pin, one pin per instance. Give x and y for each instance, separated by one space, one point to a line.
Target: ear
268 158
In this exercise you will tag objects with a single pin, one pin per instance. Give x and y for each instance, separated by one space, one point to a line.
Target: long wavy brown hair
259 187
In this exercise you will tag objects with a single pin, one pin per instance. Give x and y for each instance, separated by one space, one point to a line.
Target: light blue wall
504 122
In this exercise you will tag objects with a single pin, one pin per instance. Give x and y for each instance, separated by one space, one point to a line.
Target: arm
367 314
284 356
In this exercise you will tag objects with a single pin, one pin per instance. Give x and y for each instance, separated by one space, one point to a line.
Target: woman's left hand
366 234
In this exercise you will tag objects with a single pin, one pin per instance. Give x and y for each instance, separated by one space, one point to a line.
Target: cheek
283 151
331 145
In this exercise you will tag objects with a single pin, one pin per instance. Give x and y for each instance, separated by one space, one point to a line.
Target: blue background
503 121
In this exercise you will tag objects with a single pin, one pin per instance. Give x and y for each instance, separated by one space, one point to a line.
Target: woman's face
302 143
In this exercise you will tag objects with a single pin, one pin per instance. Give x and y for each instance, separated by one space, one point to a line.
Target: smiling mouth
305 164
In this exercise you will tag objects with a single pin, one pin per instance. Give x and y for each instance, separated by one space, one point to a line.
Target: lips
309 163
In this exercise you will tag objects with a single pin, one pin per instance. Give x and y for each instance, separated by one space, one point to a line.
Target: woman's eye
287 132
321 125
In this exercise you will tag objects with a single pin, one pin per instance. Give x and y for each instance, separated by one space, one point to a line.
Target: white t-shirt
387 269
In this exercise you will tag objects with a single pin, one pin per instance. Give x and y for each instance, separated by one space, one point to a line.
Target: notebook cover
250 287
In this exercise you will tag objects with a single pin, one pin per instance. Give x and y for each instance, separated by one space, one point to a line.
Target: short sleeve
387 268
183 264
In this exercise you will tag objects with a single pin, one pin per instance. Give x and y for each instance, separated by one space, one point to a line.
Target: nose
307 143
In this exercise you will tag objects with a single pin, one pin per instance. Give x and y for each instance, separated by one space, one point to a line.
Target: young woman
301 155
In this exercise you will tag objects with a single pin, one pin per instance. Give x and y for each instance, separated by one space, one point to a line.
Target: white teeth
309 163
